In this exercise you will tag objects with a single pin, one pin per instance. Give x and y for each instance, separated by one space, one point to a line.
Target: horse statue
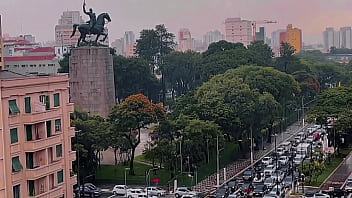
97 29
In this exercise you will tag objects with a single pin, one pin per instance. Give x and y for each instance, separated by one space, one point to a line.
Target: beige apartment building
35 137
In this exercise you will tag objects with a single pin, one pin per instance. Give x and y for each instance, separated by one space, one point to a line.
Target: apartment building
35 137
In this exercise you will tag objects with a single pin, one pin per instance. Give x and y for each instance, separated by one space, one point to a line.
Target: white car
269 170
297 160
283 160
133 193
310 139
280 151
278 175
120 190
267 160
321 195
184 191
154 191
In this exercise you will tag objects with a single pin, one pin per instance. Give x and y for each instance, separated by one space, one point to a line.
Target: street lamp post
126 175
148 178
252 158
217 163
277 172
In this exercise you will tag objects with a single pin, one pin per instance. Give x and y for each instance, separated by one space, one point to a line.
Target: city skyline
22 17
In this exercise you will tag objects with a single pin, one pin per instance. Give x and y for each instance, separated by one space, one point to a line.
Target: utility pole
302 113
181 157
252 159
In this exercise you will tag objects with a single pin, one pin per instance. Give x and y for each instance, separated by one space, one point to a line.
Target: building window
29 161
58 125
16 164
13 108
16 191
31 188
29 132
27 104
14 135
60 177
56 100
59 150
45 100
48 129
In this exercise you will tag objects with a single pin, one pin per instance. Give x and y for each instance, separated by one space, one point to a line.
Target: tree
133 76
147 46
92 137
261 53
180 72
287 62
221 46
130 116
64 64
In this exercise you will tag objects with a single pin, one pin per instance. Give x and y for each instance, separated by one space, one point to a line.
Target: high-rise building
1 56
119 46
294 37
63 30
129 38
185 41
212 37
260 36
238 31
331 38
276 41
36 153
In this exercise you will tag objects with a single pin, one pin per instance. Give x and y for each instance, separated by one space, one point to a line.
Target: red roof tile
28 58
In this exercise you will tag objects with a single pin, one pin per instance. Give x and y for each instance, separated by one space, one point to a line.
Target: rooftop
5 74
43 49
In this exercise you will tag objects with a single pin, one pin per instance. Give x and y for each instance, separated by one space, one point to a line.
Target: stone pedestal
92 85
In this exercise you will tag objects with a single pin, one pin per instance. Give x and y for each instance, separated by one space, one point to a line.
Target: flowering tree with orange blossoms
130 116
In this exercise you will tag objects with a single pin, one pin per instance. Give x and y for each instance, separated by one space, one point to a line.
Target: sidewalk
235 168
340 175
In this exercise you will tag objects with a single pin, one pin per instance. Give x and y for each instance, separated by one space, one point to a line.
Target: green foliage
222 46
314 55
133 76
261 53
334 50
64 64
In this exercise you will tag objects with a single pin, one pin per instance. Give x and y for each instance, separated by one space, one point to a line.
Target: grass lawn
116 174
329 168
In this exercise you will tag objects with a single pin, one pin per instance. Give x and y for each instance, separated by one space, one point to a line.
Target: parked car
248 175
87 191
184 191
154 191
134 192
259 190
120 190
267 160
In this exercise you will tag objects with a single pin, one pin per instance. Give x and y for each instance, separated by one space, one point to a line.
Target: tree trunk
132 160
115 156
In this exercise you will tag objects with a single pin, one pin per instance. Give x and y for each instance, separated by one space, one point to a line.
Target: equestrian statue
95 26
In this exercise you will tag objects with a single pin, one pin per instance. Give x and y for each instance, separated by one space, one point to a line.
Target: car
267 160
259 190
259 178
308 194
280 151
348 186
287 182
232 185
335 192
184 191
297 160
298 139
310 139
307 160
120 190
87 191
278 175
258 166
189 196
134 192
248 175
155 191
283 160
269 182
278 190
270 195
321 195
221 193
269 170
247 188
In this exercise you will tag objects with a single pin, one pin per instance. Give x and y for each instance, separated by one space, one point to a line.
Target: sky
39 17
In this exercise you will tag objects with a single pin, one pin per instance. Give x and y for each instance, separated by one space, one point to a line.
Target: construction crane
254 25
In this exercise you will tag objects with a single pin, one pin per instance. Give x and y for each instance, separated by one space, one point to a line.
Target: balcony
73 156
55 192
35 145
17 176
36 173
15 148
73 180
40 115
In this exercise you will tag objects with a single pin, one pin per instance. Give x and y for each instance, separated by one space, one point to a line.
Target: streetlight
77 156
251 139
217 163
277 172
148 178
126 175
